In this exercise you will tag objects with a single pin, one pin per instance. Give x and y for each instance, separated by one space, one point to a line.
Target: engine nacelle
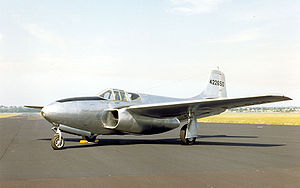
124 121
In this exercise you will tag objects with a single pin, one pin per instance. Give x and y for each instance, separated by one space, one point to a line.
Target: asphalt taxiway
225 155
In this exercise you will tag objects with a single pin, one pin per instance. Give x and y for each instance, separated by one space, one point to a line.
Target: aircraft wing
201 107
35 107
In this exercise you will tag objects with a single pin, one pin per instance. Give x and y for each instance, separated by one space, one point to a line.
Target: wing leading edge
201 107
34 107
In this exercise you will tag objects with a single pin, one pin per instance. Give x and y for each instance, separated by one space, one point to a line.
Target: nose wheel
57 142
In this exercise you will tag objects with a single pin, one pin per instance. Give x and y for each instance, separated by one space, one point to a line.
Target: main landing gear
186 141
57 142
189 132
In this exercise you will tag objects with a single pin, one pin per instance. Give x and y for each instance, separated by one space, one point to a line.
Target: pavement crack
12 140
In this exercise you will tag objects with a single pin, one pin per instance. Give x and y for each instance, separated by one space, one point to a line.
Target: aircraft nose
49 111
44 111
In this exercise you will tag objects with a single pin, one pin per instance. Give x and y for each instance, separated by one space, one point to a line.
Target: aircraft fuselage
88 113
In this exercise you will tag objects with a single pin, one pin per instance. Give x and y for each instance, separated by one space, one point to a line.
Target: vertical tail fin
216 87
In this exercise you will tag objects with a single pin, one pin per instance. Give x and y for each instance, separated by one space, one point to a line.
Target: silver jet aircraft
117 112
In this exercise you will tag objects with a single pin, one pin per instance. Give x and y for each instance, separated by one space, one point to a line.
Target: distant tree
16 109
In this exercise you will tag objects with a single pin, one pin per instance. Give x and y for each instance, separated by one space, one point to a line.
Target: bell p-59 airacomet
118 112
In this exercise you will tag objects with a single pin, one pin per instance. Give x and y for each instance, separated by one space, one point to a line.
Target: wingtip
282 97
287 98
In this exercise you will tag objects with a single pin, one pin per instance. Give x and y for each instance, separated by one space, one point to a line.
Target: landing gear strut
186 141
188 133
57 142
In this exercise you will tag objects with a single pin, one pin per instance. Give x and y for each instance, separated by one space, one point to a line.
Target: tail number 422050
217 83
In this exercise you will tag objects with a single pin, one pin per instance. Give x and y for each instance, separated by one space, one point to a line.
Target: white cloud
244 36
189 7
1 37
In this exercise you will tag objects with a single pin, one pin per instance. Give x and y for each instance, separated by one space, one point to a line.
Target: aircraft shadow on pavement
224 136
166 141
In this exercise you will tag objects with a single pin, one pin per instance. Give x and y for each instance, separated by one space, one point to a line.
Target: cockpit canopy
119 95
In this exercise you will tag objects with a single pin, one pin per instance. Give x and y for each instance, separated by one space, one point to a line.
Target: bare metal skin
91 115
119 112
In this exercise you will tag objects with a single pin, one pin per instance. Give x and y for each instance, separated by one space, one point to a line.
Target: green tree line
16 109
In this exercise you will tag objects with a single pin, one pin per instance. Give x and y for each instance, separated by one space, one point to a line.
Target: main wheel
89 138
56 144
186 141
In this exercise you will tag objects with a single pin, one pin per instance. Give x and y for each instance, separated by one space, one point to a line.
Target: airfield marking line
9 115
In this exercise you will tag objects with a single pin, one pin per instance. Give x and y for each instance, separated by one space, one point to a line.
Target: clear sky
57 49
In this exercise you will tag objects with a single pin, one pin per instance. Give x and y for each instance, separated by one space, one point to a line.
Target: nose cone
49 112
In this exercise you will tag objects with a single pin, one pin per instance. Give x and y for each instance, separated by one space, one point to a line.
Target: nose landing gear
57 142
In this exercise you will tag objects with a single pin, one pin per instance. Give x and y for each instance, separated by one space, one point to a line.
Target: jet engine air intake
123 120
110 119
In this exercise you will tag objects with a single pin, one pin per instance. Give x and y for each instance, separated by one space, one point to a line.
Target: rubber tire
54 141
185 141
89 138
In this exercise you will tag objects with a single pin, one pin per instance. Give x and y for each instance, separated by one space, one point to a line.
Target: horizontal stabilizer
35 107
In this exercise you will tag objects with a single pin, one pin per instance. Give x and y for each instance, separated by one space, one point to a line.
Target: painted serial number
217 83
